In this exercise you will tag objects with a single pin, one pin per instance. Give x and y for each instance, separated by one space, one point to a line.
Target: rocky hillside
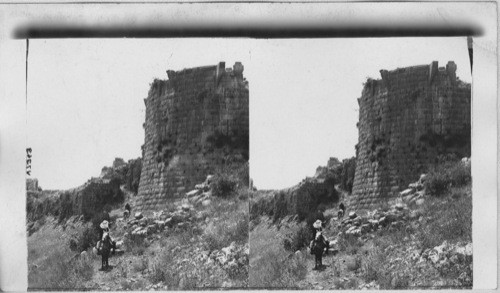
110 189
199 241
421 240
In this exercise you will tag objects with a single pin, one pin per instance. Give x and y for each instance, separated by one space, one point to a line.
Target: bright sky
304 106
85 97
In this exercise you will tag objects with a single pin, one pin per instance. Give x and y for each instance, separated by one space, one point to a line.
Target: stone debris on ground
466 161
374 220
231 257
202 192
446 255
415 191
181 218
184 214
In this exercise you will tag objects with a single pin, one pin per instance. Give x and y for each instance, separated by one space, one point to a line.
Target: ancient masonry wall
407 119
195 121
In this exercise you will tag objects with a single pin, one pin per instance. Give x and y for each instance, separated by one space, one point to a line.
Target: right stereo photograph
361 164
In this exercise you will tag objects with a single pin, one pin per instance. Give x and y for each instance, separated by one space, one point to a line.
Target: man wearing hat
105 230
318 227
318 244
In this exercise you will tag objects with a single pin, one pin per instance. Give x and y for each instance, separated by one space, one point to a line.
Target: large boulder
406 192
160 224
399 206
383 221
414 197
353 230
416 185
143 222
193 192
209 179
180 216
195 199
140 231
119 244
462 252
170 222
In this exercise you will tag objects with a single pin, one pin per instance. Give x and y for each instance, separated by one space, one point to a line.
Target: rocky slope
420 240
115 185
200 241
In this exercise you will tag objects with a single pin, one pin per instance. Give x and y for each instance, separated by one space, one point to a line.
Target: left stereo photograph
138 174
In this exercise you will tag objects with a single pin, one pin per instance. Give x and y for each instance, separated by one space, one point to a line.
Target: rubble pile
415 192
182 217
202 192
395 217
232 258
446 256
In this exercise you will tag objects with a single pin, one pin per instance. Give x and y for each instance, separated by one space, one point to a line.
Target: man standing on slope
318 245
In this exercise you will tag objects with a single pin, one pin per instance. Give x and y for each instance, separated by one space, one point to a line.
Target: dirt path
109 279
333 275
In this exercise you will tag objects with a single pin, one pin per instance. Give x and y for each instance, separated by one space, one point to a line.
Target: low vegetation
186 257
181 260
271 266
297 238
53 265
190 255
231 180
448 219
389 258
447 174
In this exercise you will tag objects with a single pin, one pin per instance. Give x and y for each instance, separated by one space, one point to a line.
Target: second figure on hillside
341 212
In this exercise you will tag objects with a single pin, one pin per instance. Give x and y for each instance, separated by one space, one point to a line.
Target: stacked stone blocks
195 120
406 119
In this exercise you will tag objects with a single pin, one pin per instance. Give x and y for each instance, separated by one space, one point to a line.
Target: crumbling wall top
389 79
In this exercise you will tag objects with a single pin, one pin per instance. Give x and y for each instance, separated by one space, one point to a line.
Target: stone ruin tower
195 120
407 119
